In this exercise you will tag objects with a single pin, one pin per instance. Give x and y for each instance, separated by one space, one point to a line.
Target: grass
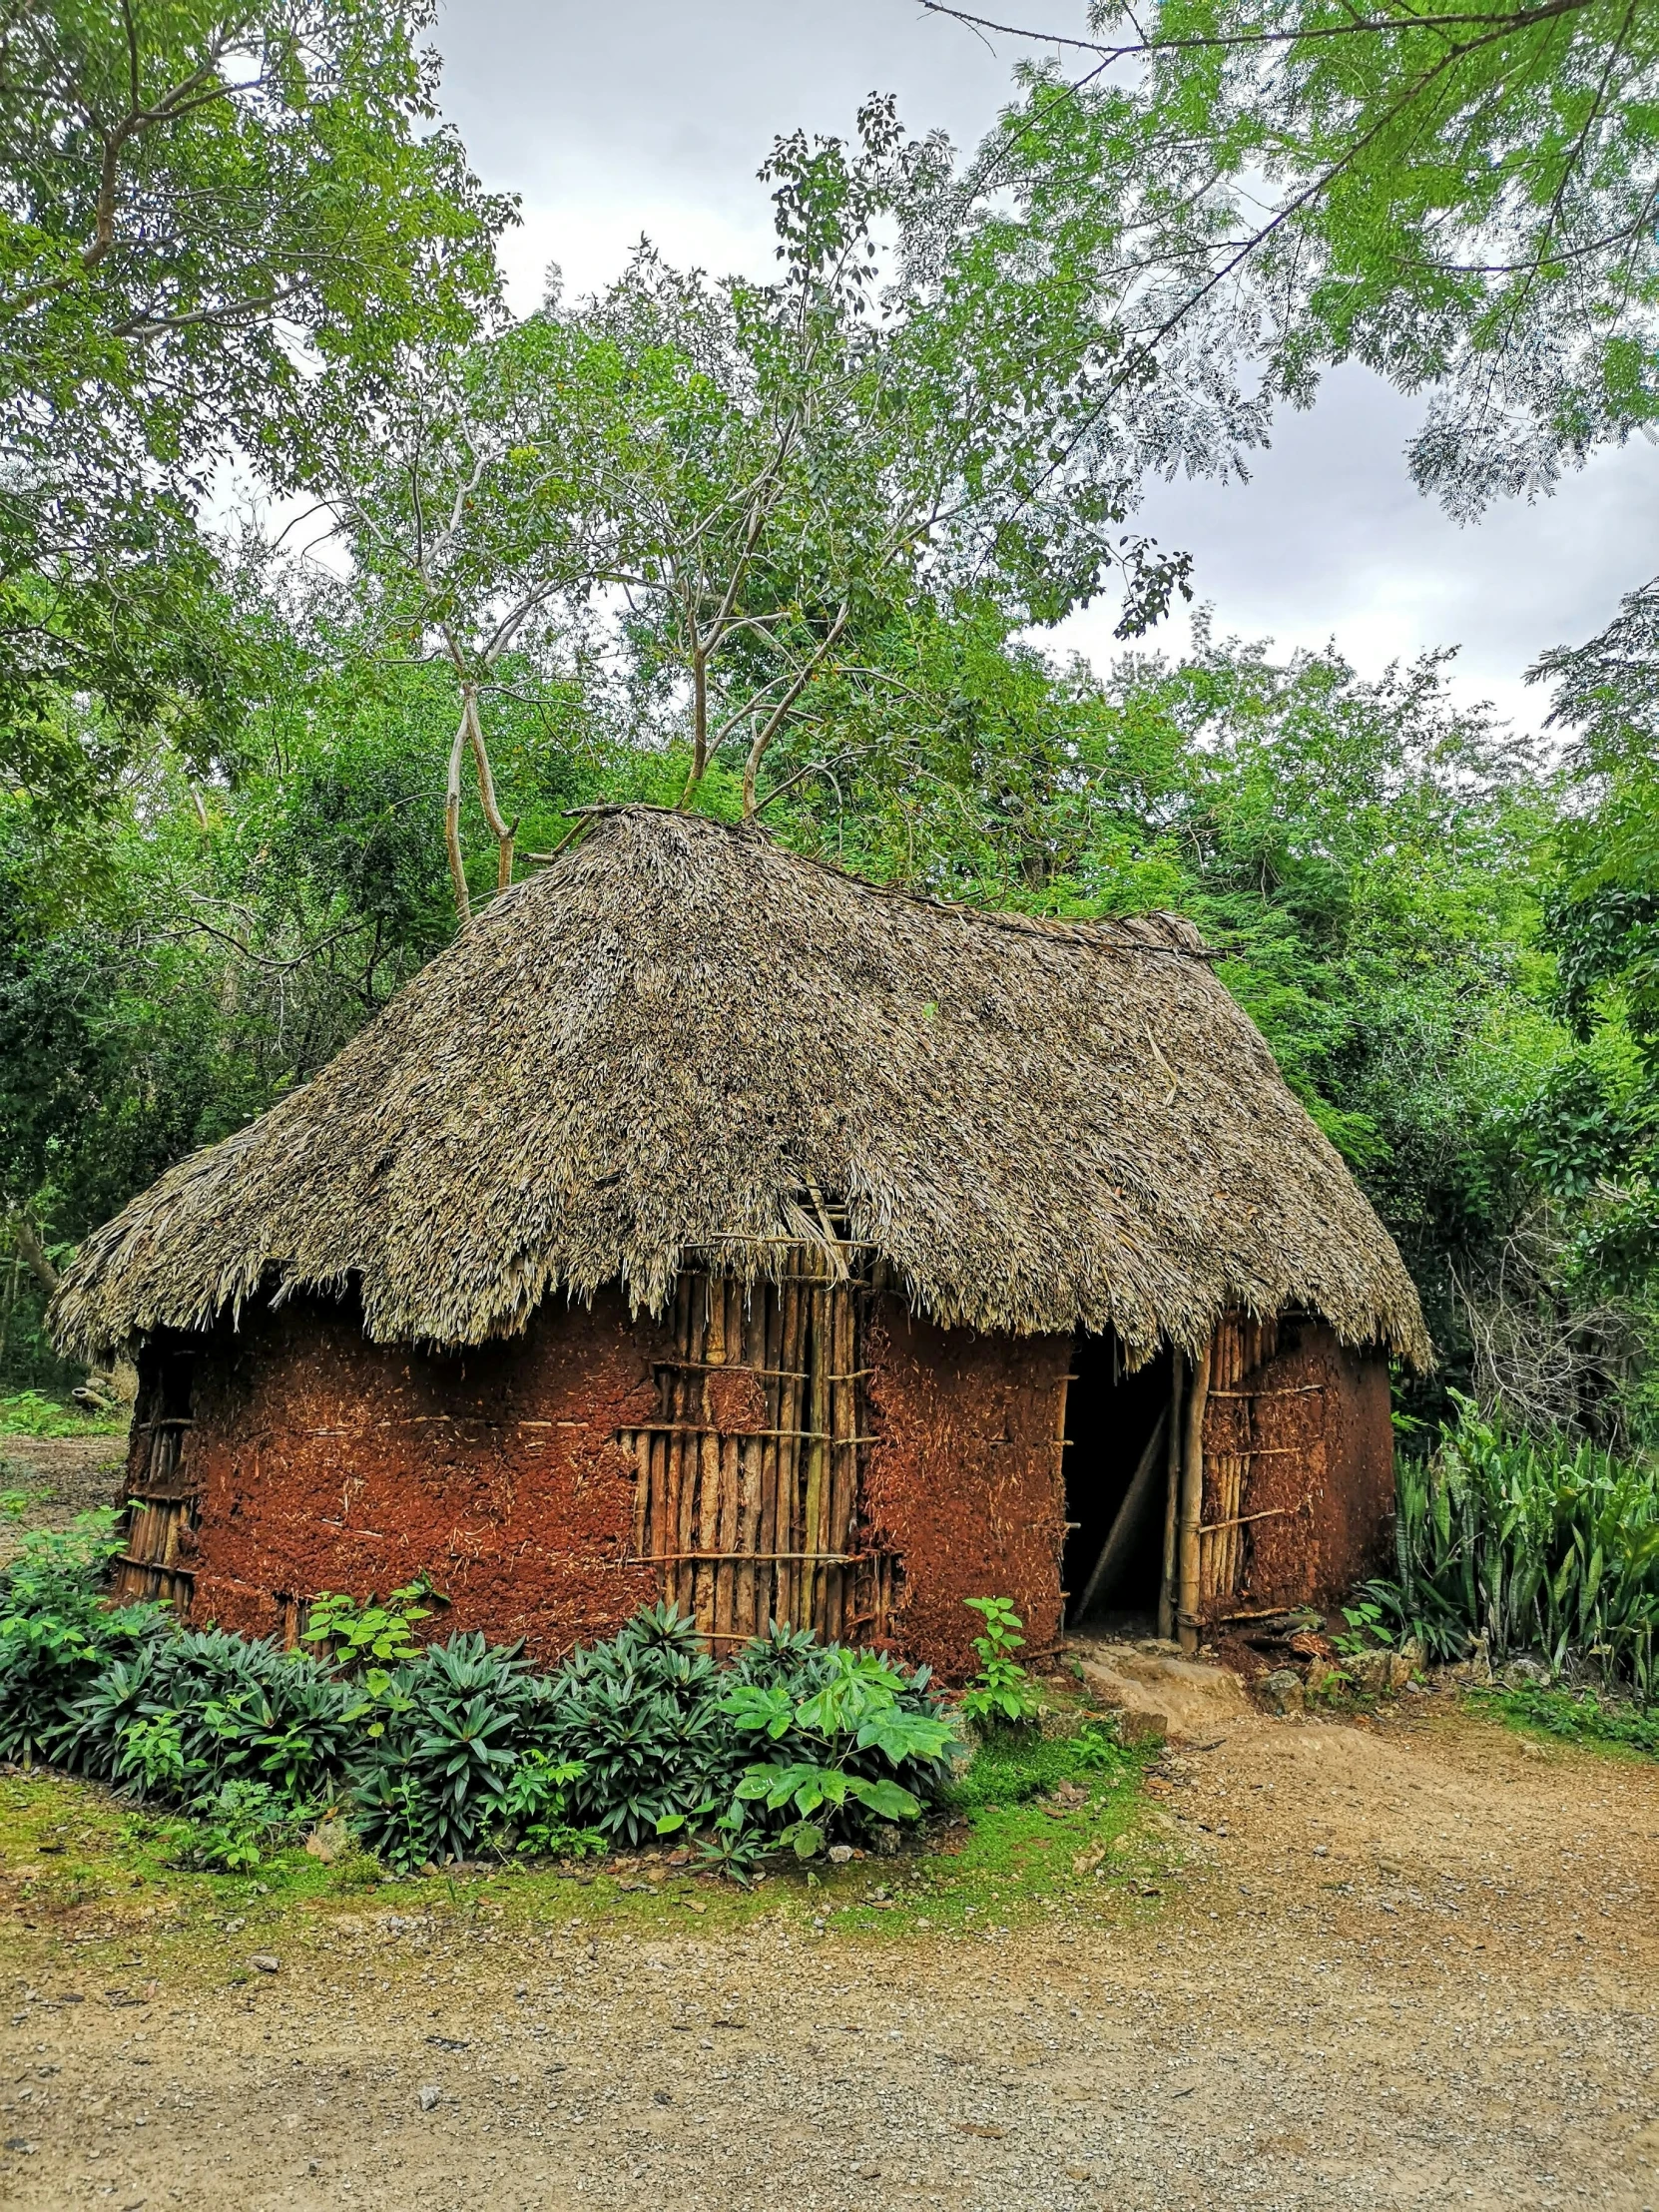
1041 1823
1574 1717
31 1414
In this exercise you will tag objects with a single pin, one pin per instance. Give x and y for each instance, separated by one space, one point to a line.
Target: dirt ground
68 1474
1406 1963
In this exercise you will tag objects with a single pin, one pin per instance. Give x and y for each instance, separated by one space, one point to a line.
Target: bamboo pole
772 1357
1171 1494
1192 1503
793 1334
816 1499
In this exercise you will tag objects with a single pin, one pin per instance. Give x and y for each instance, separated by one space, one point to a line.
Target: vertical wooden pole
1192 1503
817 1500
1171 1494
791 1397
771 1337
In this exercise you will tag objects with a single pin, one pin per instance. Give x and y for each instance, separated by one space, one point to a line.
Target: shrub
436 1783
640 1714
56 1634
461 1748
1532 1544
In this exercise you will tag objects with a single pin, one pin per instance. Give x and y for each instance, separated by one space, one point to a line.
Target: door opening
1116 1480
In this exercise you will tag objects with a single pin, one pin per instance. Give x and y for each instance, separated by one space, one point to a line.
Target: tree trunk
34 1252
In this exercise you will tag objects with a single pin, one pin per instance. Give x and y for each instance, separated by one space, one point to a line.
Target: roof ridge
1116 932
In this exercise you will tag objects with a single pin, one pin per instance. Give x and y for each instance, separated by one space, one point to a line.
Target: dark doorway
1111 1420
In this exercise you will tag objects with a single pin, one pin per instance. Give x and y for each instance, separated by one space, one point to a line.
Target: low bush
461 1748
57 1636
1531 1545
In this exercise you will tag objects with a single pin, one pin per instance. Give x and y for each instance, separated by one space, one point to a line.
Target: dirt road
1404 1965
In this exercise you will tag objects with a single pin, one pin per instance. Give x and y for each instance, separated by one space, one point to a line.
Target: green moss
1038 1824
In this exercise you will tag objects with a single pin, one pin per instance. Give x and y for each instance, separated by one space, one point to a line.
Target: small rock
1281 1691
661 2096
1526 1674
840 1853
869 2174
266 1961
431 2095
22 2145
1078 2173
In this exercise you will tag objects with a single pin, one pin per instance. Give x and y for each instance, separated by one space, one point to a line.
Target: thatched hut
707 1222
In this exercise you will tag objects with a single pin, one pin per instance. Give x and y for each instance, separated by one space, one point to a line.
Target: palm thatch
684 1044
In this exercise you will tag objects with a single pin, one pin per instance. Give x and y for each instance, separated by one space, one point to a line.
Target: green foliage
233 1830
842 1713
1575 1716
1461 201
29 1413
186 191
1001 1691
56 1634
369 1638
1531 1546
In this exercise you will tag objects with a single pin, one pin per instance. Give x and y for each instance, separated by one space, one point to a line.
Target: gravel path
1407 1965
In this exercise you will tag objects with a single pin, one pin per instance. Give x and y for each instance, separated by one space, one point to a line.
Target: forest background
786 545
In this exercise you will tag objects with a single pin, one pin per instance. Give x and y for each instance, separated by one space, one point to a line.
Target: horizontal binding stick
685 1428
1272 1512
723 1558
1291 1389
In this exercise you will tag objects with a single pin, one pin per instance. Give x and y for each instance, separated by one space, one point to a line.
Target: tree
731 491
198 205
1463 197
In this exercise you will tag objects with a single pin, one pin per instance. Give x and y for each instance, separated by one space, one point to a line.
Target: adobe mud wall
963 1479
1324 1481
327 1462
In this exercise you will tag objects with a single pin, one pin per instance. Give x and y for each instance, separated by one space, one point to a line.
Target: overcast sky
654 114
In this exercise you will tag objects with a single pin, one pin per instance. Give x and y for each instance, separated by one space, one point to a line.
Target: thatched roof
679 1038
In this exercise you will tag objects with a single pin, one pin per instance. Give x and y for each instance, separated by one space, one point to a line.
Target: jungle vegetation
788 544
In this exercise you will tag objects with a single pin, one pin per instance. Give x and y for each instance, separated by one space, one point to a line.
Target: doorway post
1171 1494
1192 1503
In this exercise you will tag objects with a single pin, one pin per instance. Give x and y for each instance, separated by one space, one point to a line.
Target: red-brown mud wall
327 1462
1325 1479
965 1478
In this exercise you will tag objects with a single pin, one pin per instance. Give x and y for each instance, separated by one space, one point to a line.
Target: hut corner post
1174 1438
1192 1502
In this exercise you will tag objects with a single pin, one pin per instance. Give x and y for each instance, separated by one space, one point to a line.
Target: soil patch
1408 1962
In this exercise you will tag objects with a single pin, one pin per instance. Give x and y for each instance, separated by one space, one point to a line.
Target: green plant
32 1413
152 1756
15 1505
56 1633
1001 1691
366 1637
1575 1717
640 1714
1367 1628
436 1785
855 1707
1531 1543
232 1829
535 1807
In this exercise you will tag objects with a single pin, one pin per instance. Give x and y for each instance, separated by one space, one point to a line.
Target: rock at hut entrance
1182 1698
